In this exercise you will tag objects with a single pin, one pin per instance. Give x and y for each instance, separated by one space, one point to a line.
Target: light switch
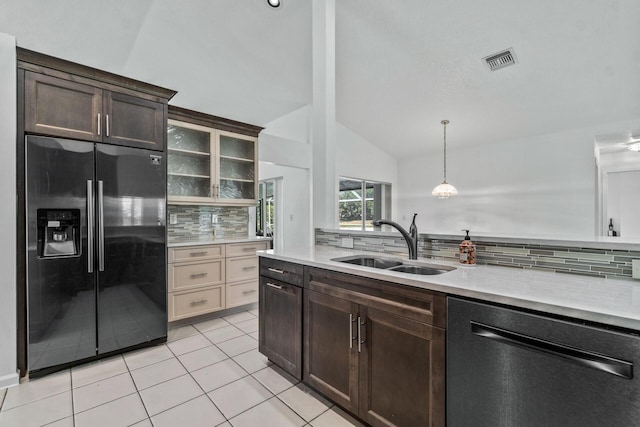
214 219
173 218
635 268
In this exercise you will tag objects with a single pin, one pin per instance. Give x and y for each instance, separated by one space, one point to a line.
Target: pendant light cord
445 122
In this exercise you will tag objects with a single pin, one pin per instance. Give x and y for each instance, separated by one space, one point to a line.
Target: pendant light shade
444 190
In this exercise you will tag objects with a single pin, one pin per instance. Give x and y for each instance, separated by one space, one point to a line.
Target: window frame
383 207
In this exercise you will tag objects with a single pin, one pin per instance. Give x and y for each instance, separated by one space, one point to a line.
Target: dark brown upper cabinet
73 101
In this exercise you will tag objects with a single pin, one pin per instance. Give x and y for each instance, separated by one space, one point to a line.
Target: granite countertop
608 301
210 240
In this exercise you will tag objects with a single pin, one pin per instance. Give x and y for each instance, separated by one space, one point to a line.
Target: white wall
623 203
8 119
293 208
358 158
354 157
544 186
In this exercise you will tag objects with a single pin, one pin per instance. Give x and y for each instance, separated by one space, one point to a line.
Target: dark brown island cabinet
375 348
72 101
280 314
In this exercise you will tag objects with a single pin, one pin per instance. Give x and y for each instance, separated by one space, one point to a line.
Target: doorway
266 209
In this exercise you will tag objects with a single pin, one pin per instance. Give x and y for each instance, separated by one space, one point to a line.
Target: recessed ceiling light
273 3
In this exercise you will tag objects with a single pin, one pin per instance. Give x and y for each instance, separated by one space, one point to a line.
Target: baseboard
10 380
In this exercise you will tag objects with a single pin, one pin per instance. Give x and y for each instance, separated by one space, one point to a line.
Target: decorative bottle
467 251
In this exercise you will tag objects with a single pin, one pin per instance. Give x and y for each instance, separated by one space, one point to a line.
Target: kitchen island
614 302
375 341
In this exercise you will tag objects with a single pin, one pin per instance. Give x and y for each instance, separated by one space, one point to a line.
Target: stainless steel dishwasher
512 368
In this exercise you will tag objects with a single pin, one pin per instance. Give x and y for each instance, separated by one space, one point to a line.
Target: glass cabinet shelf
189 152
237 159
188 175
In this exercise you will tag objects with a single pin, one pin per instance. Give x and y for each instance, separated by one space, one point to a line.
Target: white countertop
609 301
196 241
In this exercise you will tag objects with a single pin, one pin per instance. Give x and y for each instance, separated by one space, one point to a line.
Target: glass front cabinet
210 166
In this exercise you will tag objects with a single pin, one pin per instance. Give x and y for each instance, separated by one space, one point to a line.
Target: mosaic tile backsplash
195 221
585 261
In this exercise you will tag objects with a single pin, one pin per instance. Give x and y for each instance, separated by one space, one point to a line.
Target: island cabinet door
402 370
331 348
280 332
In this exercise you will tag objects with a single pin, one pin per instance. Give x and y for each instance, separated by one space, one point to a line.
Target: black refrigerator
96 250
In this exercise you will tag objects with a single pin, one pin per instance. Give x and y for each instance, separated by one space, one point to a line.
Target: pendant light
444 190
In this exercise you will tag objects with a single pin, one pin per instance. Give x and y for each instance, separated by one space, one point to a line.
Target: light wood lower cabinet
208 278
195 302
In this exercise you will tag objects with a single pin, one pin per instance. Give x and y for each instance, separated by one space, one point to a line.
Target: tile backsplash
196 221
575 260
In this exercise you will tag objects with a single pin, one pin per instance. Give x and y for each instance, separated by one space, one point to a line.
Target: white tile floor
207 374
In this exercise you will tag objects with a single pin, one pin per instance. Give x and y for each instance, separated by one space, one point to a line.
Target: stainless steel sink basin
393 265
418 269
369 261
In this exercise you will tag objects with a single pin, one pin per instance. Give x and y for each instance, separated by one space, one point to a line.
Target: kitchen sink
393 265
369 261
418 269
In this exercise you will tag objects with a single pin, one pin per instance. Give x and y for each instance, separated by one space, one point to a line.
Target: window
362 201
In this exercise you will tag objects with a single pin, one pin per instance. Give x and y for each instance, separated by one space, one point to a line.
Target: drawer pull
273 285
252 291
249 249
276 270
251 267
196 275
202 301
201 253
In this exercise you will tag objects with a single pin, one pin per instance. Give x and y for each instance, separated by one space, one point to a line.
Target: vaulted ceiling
401 67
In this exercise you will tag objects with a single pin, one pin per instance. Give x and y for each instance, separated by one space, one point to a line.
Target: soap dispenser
467 251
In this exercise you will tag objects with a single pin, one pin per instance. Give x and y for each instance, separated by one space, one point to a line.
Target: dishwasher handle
578 356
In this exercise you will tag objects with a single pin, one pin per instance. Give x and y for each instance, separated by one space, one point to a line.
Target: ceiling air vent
501 59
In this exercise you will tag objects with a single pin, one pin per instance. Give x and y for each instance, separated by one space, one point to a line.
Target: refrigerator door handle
90 226
100 225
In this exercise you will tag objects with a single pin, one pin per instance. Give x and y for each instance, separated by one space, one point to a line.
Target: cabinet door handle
360 340
196 275
107 117
203 253
99 124
251 267
249 249
275 270
351 337
273 285
249 292
202 301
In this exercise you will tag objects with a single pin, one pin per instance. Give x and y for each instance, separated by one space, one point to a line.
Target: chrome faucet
410 237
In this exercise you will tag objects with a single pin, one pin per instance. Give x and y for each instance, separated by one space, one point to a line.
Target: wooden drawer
242 268
244 249
242 293
194 303
282 270
196 274
195 253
